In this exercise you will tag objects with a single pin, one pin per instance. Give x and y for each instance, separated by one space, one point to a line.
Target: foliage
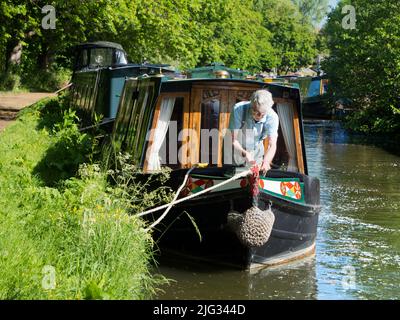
82 230
181 32
292 39
364 64
10 82
312 10
235 36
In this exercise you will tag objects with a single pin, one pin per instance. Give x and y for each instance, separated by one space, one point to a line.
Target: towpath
12 103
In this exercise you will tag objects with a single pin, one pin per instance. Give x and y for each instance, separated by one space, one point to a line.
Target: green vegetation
65 232
313 10
364 65
293 40
242 34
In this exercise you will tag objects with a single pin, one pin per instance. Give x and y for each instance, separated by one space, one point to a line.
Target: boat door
212 104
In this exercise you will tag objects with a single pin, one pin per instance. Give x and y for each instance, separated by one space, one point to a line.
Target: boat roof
145 65
237 80
207 70
102 44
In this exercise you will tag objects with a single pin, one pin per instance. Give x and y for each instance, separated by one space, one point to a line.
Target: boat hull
292 237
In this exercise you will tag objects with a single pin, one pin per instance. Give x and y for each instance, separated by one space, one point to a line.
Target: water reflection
201 281
358 242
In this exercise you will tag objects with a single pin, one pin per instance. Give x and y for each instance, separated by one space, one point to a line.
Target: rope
174 201
64 88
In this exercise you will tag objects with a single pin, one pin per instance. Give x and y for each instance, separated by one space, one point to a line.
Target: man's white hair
261 100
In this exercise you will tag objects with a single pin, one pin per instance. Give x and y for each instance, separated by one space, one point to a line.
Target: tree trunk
13 55
45 57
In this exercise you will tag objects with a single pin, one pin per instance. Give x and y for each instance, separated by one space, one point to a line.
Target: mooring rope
168 206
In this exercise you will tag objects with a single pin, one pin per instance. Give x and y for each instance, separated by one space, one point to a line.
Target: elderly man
250 123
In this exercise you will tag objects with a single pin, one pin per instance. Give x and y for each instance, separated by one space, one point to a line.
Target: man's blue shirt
253 132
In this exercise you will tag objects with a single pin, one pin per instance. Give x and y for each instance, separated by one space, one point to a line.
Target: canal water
358 242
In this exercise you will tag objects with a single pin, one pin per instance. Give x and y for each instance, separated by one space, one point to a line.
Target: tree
293 41
18 25
364 63
236 37
312 10
185 33
190 33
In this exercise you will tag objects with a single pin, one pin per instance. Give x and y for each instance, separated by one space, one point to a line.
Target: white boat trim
286 257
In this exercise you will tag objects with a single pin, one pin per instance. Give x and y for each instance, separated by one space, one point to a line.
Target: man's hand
265 167
248 156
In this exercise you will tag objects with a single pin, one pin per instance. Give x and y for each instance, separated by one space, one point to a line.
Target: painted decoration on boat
196 185
284 188
288 189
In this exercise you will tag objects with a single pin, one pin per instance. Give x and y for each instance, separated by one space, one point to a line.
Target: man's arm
269 154
236 144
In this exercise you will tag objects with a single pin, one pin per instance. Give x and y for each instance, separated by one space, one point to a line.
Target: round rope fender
254 227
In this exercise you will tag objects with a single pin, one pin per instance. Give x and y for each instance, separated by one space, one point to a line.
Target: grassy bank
35 80
64 232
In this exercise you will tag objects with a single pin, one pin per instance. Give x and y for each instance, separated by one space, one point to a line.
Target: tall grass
35 80
65 233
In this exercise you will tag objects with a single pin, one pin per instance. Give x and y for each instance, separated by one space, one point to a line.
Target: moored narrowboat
182 124
99 73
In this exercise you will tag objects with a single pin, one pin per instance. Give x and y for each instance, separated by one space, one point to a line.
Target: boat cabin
100 70
93 55
179 123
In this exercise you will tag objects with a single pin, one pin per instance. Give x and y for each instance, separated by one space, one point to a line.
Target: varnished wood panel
297 133
224 113
195 124
222 86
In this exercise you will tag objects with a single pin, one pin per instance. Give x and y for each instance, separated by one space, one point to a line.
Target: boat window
314 89
125 111
100 57
82 59
324 86
165 138
281 158
120 57
209 144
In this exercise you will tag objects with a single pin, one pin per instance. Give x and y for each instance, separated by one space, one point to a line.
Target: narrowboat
183 124
313 90
99 72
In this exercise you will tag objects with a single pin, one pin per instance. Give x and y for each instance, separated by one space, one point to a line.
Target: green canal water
358 242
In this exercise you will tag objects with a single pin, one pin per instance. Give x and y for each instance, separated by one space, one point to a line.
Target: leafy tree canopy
364 63
247 34
293 41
